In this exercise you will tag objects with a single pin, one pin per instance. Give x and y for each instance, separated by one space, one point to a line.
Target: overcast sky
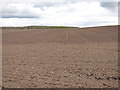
63 13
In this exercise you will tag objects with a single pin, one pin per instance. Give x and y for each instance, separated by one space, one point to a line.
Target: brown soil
62 58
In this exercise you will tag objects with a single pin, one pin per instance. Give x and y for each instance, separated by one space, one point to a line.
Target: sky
76 13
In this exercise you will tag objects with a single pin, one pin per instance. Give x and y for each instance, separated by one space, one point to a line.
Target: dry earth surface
55 58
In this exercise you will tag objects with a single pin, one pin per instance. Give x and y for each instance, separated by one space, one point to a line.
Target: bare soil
60 58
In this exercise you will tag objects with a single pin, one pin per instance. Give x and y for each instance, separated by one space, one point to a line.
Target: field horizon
45 27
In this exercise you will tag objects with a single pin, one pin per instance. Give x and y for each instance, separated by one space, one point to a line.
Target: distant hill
49 27
36 27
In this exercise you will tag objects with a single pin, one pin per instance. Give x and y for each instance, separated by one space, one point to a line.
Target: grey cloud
51 4
11 12
47 4
41 5
21 15
109 5
13 16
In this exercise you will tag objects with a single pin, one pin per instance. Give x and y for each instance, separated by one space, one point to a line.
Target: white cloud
79 13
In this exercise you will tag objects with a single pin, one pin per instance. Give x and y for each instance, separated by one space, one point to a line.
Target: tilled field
60 58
